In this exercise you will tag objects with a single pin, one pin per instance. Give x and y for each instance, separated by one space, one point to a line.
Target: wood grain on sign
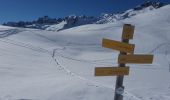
116 45
138 59
111 71
128 31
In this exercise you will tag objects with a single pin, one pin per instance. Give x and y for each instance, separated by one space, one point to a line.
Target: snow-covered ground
46 65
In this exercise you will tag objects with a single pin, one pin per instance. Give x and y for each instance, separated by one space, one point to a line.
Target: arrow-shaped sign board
111 71
137 59
116 45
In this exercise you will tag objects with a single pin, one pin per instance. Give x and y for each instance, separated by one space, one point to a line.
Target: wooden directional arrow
137 59
116 45
111 71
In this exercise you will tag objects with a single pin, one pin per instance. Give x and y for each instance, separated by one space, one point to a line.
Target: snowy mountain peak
72 16
55 24
148 4
145 7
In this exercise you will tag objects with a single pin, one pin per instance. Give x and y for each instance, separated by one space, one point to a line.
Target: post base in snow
118 97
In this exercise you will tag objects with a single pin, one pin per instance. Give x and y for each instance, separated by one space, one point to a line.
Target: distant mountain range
57 24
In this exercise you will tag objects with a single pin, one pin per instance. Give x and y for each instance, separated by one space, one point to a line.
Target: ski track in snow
54 54
6 33
88 82
58 65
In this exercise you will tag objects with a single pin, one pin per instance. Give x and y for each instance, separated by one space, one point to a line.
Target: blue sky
27 10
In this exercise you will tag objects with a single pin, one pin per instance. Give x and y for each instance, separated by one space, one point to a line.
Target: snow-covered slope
56 26
46 65
72 21
143 8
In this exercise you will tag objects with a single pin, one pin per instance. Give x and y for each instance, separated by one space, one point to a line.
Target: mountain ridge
57 24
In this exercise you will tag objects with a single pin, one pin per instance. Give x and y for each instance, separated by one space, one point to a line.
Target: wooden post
126 56
119 88
119 80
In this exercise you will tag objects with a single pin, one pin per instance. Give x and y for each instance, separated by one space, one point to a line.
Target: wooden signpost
126 56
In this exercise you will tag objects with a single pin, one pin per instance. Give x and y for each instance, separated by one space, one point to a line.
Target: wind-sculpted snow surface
46 65
6 33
